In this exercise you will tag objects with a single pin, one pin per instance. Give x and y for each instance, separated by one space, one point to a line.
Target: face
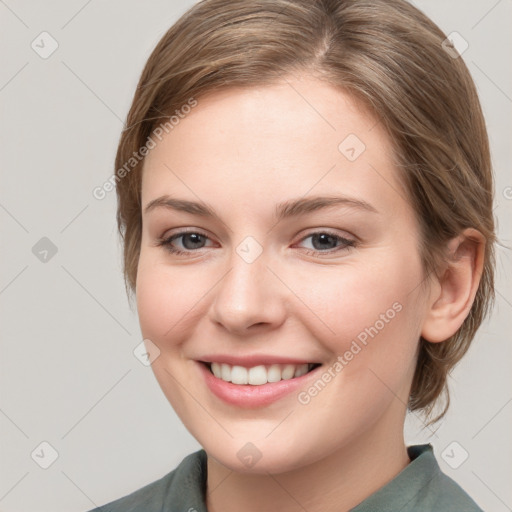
267 280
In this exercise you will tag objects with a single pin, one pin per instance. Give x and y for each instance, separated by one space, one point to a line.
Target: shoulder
437 492
449 496
182 485
149 498
420 487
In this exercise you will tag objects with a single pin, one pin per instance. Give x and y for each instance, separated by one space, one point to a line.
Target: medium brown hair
385 53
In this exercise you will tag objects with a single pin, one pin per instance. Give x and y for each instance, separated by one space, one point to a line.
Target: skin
242 151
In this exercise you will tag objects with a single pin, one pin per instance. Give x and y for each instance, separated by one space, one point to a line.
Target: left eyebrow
311 204
283 210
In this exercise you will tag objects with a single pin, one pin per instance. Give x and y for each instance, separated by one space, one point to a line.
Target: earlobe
457 286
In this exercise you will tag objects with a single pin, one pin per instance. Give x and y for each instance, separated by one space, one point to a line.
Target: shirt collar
408 489
404 492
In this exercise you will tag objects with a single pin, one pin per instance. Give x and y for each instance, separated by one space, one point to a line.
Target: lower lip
249 396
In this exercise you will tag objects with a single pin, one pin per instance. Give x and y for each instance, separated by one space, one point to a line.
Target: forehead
275 141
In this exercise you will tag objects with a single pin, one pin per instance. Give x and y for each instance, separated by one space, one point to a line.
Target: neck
338 482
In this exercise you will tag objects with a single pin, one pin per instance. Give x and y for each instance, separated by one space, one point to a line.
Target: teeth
225 372
239 375
274 373
258 375
288 372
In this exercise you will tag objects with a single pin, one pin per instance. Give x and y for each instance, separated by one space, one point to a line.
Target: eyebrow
283 210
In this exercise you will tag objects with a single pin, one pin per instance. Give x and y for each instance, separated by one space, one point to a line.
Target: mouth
260 374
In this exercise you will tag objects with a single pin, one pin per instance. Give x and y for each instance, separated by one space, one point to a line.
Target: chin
263 456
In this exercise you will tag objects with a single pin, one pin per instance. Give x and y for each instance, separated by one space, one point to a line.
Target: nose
249 297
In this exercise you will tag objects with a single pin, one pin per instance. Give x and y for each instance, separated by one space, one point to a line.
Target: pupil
196 240
323 237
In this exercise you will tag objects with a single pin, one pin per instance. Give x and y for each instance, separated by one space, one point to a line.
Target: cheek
169 299
165 306
151 301
364 303
372 335
159 305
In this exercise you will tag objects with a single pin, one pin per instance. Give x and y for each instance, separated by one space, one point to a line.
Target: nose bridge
248 293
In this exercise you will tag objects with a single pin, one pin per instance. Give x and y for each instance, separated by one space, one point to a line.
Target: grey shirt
420 487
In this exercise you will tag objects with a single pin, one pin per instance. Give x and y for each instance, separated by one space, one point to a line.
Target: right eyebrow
182 205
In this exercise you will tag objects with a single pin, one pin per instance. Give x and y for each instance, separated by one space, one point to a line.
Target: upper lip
250 361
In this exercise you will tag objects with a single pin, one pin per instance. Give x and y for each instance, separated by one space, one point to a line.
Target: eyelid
329 231
182 232
345 243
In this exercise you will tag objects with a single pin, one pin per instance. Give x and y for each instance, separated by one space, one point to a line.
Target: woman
305 199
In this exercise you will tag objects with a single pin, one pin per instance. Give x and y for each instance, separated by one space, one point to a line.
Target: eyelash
166 242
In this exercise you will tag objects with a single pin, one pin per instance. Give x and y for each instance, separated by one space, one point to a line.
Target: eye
325 241
190 241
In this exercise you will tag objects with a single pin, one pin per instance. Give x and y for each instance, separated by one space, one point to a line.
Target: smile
256 386
259 375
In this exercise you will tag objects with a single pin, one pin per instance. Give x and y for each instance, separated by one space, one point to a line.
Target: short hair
385 53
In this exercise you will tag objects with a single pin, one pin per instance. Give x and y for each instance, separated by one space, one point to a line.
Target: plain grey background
68 374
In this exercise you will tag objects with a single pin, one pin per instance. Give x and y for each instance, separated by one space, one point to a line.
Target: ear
454 291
